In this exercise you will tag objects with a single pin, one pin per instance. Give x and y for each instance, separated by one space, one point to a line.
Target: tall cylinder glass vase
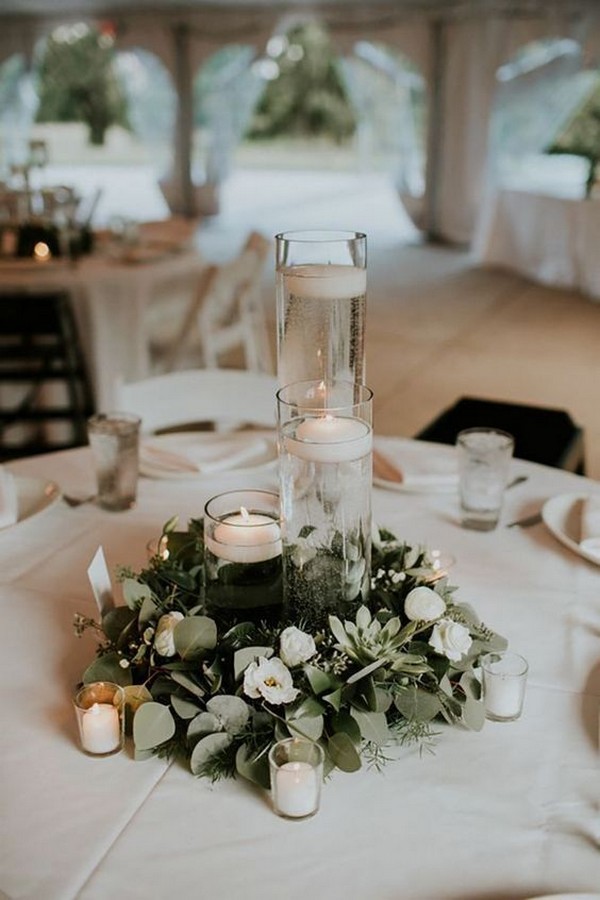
325 469
321 306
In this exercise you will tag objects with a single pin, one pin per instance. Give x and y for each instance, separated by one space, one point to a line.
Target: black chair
39 348
542 435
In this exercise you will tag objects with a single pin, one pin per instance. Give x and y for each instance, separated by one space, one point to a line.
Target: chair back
200 395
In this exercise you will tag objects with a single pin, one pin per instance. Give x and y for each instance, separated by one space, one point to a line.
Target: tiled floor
438 328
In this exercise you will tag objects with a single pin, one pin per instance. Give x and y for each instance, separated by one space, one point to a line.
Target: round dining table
510 812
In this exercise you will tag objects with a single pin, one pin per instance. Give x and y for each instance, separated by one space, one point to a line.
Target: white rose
270 679
422 604
164 642
295 646
451 639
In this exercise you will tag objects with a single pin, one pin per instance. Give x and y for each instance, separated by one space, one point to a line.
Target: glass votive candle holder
242 555
99 708
296 769
503 676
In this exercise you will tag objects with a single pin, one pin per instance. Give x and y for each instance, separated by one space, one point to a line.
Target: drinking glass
321 295
114 439
484 456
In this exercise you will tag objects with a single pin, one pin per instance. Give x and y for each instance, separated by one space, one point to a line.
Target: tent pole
435 135
185 120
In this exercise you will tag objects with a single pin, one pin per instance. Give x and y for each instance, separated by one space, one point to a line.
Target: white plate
211 450
34 495
567 897
562 517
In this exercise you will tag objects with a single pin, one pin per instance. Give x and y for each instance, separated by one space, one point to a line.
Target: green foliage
77 82
581 137
307 98
360 683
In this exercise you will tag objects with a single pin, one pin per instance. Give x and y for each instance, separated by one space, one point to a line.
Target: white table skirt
110 300
553 240
508 812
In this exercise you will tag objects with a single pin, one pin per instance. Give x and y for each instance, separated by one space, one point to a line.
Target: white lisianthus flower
451 639
270 679
295 646
164 642
422 604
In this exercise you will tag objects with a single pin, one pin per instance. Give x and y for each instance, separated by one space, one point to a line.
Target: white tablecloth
553 240
512 811
110 301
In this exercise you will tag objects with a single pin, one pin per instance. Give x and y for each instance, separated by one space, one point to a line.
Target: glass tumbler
114 439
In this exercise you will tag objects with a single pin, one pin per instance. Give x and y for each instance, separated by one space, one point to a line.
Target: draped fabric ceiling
457 46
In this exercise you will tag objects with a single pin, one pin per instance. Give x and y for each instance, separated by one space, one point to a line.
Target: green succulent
370 644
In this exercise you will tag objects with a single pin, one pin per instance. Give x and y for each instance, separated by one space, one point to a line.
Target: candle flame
41 251
244 514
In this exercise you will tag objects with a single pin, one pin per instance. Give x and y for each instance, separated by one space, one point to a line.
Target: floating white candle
325 282
246 538
296 789
330 439
101 728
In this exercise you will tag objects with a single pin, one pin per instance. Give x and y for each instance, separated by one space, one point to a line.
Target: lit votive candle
296 768
504 677
41 252
246 537
99 708
329 439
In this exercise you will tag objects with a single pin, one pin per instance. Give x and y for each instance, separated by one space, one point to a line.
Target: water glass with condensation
484 456
114 439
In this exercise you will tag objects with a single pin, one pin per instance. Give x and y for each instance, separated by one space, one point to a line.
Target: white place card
99 577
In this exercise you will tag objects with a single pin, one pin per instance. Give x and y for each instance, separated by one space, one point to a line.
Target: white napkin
200 459
9 504
420 470
590 525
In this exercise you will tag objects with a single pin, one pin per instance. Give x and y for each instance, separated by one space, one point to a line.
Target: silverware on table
526 521
77 501
518 480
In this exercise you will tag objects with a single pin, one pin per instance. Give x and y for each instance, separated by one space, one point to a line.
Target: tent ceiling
53 8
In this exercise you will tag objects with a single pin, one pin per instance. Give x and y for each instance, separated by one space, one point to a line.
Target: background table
549 239
110 299
510 812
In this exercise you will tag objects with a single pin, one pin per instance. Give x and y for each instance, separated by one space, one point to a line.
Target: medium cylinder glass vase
325 468
321 306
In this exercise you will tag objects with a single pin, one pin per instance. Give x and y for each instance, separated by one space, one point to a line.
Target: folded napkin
590 525
201 459
420 470
9 505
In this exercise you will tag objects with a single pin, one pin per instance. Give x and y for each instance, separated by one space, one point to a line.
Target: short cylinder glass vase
325 466
321 291
242 557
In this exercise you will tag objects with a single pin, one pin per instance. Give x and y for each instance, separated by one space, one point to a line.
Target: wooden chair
45 392
222 397
227 313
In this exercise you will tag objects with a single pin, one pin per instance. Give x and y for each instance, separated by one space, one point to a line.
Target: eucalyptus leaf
135 695
251 768
116 621
185 709
135 592
471 685
194 635
373 726
319 681
153 724
362 673
242 658
231 710
188 683
206 748
107 668
473 714
343 752
148 611
344 722
310 727
310 706
334 698
417 705
204 723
